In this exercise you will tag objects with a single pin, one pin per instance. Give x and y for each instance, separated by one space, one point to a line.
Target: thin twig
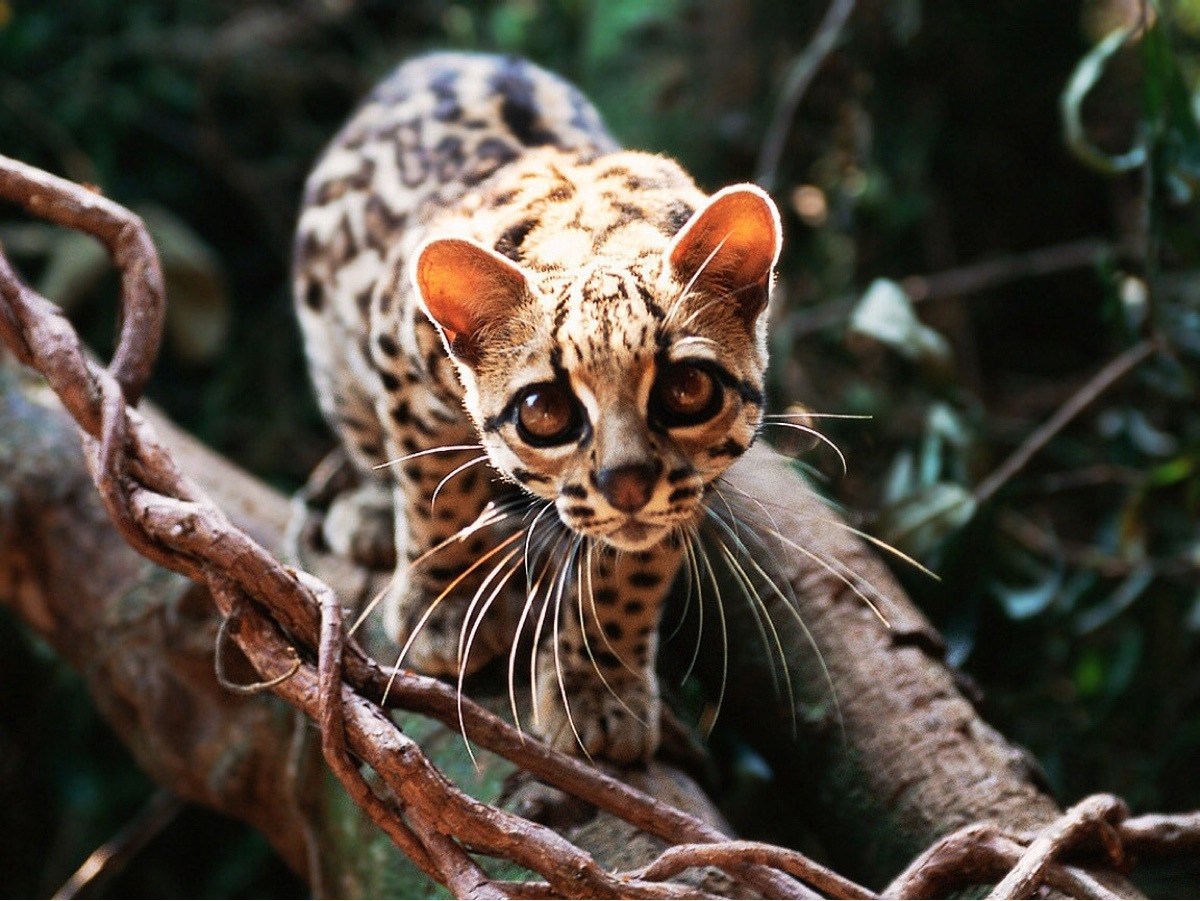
111 857
1111 372
969 279
679 858
799 77
143 297
1091 817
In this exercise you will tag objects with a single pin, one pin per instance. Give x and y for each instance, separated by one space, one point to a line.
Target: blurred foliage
936 136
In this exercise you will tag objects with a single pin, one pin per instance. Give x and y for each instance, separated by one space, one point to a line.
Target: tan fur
473 242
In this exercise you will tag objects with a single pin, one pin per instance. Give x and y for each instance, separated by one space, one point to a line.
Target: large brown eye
547 414
686 394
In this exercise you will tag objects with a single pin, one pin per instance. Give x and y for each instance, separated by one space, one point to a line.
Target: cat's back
436 127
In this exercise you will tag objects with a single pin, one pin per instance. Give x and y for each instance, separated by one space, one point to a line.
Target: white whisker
441 596
444 449
490 515
584 633
820 437
556 644
531 590
807 415
464 655
436 491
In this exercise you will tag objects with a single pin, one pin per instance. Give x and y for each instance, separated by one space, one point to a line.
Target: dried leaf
885 314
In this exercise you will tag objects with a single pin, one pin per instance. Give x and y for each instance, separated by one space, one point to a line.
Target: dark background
931 139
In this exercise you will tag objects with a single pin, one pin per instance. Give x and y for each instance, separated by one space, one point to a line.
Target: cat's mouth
634 535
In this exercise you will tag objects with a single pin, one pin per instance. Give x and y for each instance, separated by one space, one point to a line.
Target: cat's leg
597 692
449 548
358 521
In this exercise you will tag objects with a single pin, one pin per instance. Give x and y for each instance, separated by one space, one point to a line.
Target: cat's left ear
467 288
730 247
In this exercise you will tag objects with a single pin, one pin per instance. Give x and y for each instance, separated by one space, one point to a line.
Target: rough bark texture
898 759
890 750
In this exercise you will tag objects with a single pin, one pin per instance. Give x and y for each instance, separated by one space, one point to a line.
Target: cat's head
619 390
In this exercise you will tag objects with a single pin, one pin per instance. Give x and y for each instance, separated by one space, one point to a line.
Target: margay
479 267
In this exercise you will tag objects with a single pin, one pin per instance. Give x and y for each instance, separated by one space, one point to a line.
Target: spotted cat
540 351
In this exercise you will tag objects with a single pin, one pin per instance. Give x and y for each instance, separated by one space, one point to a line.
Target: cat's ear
730 247
466 288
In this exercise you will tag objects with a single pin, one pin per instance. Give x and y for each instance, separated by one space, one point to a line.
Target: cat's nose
628 487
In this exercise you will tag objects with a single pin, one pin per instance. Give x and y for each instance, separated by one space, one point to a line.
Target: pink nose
628 487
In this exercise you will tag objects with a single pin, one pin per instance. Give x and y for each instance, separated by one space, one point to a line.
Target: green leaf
1130 589
923 519
1025 602
1168 104
1082 80
886 314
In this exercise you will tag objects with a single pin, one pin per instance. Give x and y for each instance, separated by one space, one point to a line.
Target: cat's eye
547 414
686 394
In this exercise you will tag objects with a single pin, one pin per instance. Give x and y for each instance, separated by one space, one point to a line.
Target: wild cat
540 351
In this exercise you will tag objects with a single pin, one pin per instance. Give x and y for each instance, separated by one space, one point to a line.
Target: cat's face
621 391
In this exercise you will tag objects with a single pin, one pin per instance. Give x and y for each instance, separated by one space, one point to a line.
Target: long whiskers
587 564
436 491
532 588
489 516
464 653
444 449
816 434
558 672
450 586
716 587
762 616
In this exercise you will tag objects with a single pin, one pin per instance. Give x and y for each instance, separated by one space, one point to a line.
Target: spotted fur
476 254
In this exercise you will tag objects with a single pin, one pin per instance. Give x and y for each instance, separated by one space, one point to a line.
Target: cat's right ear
730 248
466 288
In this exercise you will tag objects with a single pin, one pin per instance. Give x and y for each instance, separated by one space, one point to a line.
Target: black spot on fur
572 490
525 476
388 345
606 596
613 631
680 473
518 107
580 510
389 380
731 447
681 494
677 216
634 608
510 242
644 579
490 155
314 299
447 107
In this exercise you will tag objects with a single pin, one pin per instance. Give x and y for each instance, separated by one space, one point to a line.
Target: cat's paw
617 721
358 525
437 637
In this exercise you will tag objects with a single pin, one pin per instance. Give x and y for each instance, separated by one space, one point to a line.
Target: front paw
443 637
581 714
358 525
